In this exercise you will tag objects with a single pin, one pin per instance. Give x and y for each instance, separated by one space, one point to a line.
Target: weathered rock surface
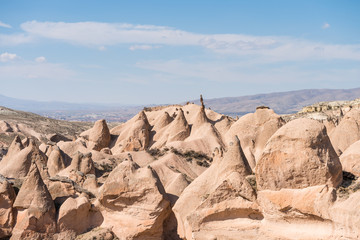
350 159
347 132
16 164
35 209
99 136
167 173
298 155
75 215
134 135
55 161
221 193
7 213
254 130
132 202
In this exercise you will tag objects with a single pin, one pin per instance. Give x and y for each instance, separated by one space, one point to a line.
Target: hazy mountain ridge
281 102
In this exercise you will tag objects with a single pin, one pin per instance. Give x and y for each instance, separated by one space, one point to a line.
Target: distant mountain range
281 102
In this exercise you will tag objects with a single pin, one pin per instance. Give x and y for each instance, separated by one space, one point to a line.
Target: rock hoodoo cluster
187 172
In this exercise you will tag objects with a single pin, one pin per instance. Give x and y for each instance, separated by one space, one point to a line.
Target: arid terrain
183 172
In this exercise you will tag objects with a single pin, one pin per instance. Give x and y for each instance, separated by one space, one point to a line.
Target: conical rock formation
221 192
36 209
55 161
99 136
254 129
16 164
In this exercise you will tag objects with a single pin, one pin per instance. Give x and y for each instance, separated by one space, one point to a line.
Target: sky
156 52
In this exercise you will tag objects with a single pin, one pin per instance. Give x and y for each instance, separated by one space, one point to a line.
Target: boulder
347 132
132 202
298 155
55 161
350 159
99 136
75 215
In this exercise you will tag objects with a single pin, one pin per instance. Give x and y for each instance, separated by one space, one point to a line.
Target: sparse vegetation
252 181
201 158
349 185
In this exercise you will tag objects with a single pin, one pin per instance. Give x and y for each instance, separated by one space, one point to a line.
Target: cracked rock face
298 155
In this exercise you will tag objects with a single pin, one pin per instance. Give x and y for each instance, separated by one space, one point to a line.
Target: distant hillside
73 111
281 102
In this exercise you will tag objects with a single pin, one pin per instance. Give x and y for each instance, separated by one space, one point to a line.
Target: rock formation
16 164
254 129
55 161
347 132
298 155
7 213
99 135
350 159
128 189
35 208
186 172
220 193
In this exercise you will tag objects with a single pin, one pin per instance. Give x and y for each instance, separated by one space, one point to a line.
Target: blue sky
142 52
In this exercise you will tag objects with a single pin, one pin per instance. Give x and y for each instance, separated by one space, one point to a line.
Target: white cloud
2 24
6 57
326 25
102 48
14 39
263 48
142 47
40 59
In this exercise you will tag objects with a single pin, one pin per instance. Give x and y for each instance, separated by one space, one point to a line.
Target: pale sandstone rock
75 215
5 127
80 162
55 161
134 135
7 213
298 155
36 210
204 137
347 132
15 147
16 164
177 130
220 193
99 136
350 159
132 202
98 233
175 174
254 130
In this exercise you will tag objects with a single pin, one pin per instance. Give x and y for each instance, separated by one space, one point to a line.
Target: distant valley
281 102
